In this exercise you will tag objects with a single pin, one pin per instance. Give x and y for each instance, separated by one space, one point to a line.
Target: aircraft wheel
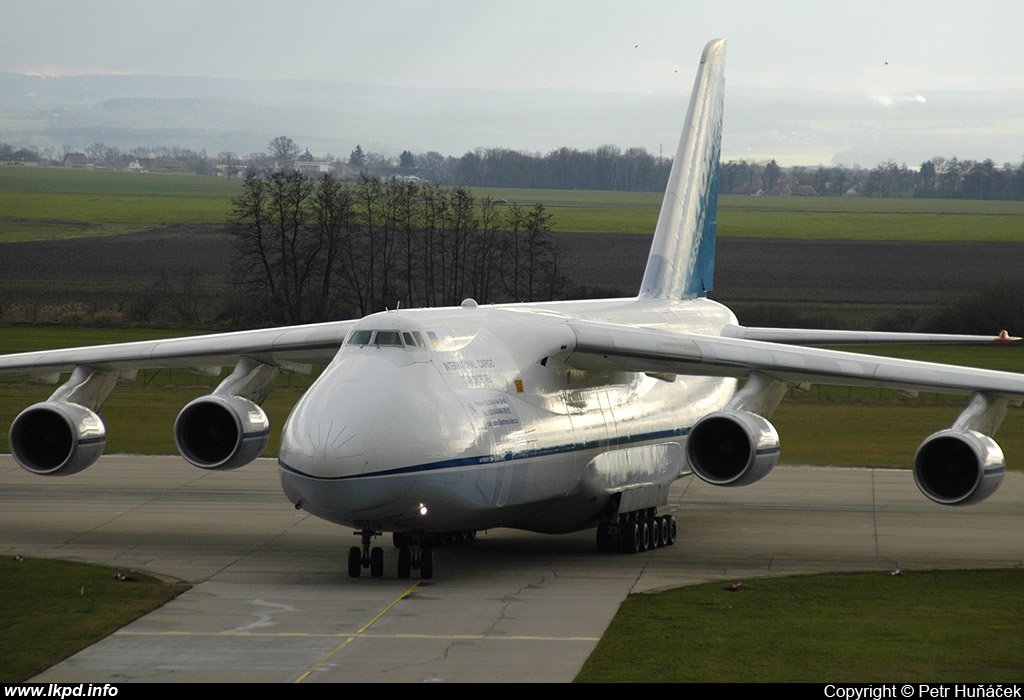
655 533
404 562
630 538
426 563
376 562
671 529
645 536
355 562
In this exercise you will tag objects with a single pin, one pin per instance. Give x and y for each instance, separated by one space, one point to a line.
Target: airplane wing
627 348
737 445
283 346
223 430
814 336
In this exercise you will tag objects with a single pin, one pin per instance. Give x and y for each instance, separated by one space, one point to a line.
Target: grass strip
51 609
928 626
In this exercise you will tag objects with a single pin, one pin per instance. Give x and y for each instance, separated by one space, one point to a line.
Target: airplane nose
366 416
362 422
324 435
322 447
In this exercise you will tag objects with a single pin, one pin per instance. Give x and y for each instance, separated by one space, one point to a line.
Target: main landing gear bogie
638 531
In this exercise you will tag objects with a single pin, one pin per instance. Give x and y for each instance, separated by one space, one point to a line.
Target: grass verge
930 626
51 609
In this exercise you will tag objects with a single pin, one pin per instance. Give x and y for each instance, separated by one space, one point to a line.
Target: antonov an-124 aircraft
550 417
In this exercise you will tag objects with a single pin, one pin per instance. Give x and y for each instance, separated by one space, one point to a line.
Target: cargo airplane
550 417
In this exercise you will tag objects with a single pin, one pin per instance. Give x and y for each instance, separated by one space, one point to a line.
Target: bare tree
283 148
316 250
531 271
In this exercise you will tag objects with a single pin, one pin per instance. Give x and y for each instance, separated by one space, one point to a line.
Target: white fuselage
472 419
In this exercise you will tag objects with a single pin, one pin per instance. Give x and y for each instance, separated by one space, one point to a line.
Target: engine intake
958 467
221 432
732 448
57 438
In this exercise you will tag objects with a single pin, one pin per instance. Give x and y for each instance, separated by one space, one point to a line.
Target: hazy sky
867 46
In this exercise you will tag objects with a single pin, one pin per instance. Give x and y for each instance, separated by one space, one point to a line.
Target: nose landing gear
364 557
414 554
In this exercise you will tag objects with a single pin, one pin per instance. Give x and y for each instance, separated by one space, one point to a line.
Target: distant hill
794 127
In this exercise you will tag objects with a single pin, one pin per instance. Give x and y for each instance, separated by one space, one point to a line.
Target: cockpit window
360 338
388 338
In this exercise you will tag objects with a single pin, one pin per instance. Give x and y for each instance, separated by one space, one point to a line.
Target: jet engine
57 438
958 467
221 432
732 448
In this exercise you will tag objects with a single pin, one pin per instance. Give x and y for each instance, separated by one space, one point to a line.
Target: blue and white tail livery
682 260
550 417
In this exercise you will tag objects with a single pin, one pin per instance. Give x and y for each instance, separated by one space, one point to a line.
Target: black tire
645 536
355 562
671 530
426 563
404 562
376 562
630 538
655 533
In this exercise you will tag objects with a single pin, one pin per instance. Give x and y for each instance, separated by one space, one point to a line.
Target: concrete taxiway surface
273 601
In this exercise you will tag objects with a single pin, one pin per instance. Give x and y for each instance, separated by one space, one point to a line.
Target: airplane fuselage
468 418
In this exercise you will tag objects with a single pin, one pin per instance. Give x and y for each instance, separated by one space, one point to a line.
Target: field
53 203
47 203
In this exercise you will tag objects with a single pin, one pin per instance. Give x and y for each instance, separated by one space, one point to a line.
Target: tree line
604 168
312 250
936 178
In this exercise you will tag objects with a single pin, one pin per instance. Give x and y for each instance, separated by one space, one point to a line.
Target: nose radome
322 448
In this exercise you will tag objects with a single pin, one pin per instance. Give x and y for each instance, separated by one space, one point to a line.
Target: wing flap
607 346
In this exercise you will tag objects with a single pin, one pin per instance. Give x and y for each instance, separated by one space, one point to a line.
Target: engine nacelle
732 448
958 467
56 438
221 432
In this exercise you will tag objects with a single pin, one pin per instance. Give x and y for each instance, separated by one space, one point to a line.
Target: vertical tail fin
682 259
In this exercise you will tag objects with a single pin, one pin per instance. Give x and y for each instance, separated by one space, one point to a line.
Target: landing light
423 509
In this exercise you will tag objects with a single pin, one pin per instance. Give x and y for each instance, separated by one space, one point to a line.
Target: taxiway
273 603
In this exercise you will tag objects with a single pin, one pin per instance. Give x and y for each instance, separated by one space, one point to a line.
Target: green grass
52 203
870 226
48 203
882 434
51 609
929 627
